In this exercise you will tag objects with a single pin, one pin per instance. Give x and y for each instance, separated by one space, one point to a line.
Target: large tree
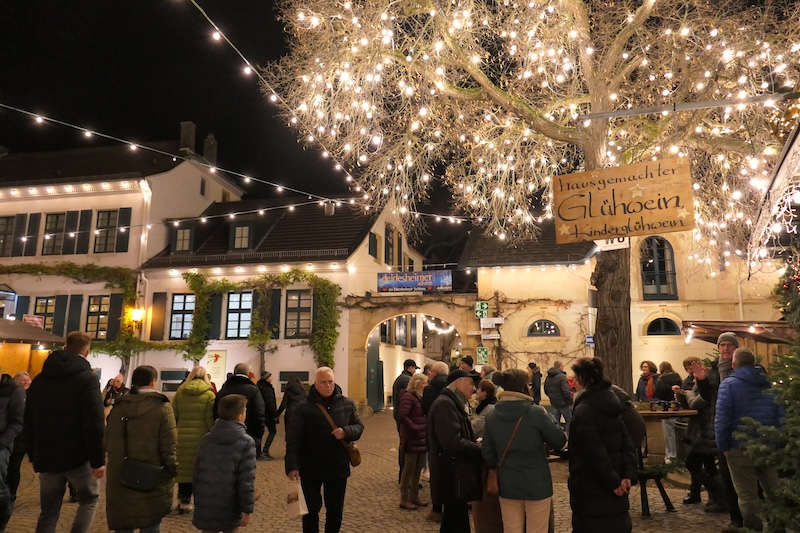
488 96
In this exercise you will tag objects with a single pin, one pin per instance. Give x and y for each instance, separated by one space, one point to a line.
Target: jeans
333 490
51 494
409 481
5 494
273 430
152 529
670 439
455 518
558 412
185 492
746 477
525 516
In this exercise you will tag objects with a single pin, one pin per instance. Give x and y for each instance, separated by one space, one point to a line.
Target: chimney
210 149
188 134
329 209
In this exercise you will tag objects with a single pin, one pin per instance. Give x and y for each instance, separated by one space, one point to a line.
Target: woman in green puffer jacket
194 412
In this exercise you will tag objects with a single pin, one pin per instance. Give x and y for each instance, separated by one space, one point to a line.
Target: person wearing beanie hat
727 344
467 363
270 410
535 382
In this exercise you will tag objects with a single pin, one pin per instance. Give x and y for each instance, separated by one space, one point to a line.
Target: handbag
137 475
492 482
353 455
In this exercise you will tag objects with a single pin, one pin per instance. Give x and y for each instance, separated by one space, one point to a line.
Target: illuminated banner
643 199
429 280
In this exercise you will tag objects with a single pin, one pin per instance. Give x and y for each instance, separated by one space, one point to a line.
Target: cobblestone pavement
372 498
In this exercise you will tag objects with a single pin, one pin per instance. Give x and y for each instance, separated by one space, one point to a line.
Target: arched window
663 326
658 270
543 328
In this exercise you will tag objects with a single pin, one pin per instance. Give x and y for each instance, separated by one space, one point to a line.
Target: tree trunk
612 335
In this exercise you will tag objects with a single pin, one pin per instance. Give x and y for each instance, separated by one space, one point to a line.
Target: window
298 314
183 240
202 186
543 328
182 313
105 239
658 270
373 245
388 246
240 305
400 331
410 265
97 316
385 337
6 236
413 331
663 326
241 237
226 196
54 233
46 307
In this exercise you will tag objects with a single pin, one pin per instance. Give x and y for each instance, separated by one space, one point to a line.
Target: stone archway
367 312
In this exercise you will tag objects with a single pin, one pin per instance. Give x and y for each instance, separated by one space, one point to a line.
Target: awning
16 331
771 332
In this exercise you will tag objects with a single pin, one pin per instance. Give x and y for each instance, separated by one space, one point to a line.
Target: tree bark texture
612 335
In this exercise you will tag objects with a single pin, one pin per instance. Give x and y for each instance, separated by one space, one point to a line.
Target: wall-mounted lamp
137 314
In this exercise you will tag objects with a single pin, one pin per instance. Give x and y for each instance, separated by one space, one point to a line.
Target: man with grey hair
437 380
726 344
744 395
314 451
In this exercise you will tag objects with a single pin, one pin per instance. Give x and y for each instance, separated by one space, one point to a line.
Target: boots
267 444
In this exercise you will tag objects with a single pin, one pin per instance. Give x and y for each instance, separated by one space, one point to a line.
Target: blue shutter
60 316
114 317
215 318
75 308
84 229
275 314
33 234
123 221
70 226
23 303
19 232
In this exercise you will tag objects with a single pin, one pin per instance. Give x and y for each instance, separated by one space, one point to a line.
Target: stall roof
16 331
770 332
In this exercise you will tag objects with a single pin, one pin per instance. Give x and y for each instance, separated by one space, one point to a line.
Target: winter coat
641 388
398 387
700 430
64 415
310 446
12 411
601 454
744 395
152 439
478 418
525 473
412 424
557 389
431 392
194 412
292 397
664 386
632 418
268 394
224 477
536 385
450 443
239 384
112 395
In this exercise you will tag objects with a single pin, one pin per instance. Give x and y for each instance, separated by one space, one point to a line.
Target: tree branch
626 71
614 52
578 11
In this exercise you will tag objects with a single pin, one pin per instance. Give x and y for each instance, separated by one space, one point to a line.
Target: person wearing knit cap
727 344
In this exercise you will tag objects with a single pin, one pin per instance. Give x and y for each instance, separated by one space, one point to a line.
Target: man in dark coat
399 385
452 447
240 383
270 410
12 415
536 382
314 450
437 380
557 390
64 433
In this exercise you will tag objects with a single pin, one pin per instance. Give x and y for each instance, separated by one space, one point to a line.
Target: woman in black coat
294 395
602 461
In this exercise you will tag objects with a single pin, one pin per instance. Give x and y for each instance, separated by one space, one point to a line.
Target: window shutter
399 255
114 317
75 308
123 220
413 329
23 303
387 246
215 318
275 314
314 307
373 245
71 225
84 229
231 236
158 312
19 231
33 234
60 316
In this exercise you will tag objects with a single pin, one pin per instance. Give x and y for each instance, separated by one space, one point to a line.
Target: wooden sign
642 199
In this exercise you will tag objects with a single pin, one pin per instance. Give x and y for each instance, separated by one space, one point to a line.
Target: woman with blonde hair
413 441
194 413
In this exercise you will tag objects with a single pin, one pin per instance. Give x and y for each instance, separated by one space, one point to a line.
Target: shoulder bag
492 482
353 455
137 475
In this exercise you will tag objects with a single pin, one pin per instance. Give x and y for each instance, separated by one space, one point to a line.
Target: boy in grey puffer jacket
225 471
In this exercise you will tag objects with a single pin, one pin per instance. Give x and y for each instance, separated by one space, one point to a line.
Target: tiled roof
486 250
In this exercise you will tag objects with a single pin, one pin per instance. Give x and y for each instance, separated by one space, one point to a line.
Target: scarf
484 403
650 389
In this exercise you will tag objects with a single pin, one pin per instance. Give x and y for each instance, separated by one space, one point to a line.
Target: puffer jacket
412 423
194 412
151 438
744 395
224 477
12 411
557 389
601 453
398 387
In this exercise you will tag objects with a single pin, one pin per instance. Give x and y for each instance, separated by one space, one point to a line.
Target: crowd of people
481 437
